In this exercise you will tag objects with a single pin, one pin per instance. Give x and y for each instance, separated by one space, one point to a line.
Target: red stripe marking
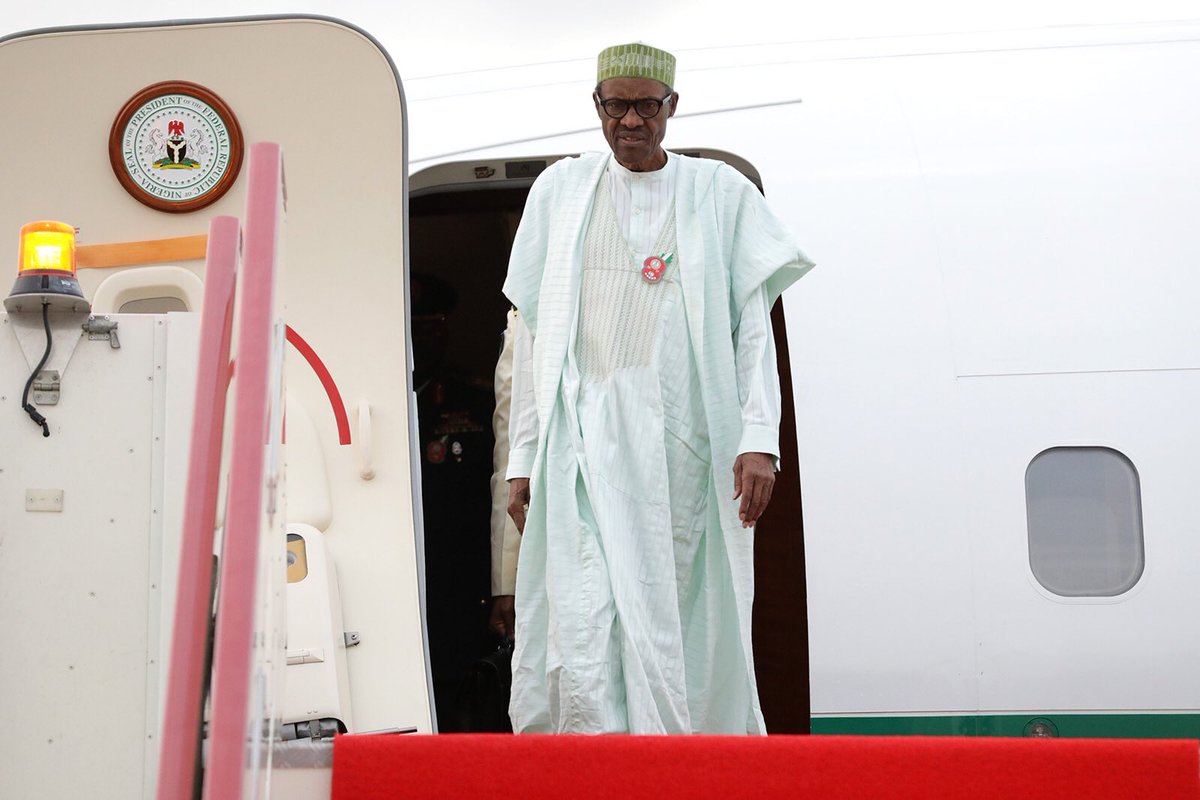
327 381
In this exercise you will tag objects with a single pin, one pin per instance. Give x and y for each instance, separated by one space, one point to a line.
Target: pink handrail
193 605
229 732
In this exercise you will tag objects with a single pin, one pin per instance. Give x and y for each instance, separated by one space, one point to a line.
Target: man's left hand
753 481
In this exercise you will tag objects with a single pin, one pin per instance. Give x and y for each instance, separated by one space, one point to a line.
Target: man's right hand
502 620
518 501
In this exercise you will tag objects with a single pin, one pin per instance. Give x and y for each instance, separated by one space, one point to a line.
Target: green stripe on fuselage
1102 726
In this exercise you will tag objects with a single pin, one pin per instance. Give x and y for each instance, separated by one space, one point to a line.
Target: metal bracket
325 728
47 387
31 333
352 638
105 327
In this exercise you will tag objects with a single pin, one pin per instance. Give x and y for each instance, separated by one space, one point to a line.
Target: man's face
636 142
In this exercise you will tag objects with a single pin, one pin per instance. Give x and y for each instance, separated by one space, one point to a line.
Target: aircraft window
297 558
153 305
1084 509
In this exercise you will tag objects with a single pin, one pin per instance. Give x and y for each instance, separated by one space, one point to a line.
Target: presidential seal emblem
176 146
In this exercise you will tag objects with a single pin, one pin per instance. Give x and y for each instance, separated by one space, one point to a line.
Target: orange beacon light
46 270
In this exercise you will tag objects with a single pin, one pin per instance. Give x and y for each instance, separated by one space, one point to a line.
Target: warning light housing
46 270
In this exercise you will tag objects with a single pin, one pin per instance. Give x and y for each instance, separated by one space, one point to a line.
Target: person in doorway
506 540
644 424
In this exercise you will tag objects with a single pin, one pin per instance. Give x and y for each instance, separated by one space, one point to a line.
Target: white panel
77 588
884 517
178 401
962 222
307 477
1064 183
1043 651
316 684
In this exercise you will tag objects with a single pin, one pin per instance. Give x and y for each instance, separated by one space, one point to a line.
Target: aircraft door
95 118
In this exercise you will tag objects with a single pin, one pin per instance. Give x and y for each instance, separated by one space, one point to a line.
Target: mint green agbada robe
603 641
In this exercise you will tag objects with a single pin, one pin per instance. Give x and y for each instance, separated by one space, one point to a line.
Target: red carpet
826 767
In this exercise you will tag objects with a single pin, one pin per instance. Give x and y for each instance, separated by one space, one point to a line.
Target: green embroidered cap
636 60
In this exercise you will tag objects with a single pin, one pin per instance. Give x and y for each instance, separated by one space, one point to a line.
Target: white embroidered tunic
643 201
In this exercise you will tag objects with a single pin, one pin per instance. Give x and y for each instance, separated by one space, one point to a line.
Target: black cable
29 409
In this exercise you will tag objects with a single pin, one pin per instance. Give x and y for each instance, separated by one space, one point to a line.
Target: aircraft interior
459 244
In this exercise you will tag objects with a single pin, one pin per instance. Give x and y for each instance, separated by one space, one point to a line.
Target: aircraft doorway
463 217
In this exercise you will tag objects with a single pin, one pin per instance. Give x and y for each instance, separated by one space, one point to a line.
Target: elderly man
644 425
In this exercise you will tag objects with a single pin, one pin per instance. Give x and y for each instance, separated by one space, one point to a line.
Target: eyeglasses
646 107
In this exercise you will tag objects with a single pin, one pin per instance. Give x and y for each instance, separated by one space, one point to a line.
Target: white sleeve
758 378
522 420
